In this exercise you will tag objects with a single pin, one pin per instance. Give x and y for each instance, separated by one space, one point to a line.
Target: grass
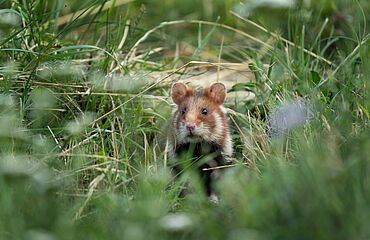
84 103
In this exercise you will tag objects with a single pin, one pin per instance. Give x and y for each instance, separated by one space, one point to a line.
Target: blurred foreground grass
84 98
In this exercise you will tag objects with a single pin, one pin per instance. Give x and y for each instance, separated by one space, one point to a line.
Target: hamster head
199 116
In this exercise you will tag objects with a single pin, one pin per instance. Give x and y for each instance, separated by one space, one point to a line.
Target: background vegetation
84 98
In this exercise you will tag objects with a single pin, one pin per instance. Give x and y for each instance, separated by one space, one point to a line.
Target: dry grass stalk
132 52
82 13
283 39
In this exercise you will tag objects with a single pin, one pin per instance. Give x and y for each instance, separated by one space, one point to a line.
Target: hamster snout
190 126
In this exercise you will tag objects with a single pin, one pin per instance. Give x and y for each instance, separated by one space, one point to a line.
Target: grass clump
84 101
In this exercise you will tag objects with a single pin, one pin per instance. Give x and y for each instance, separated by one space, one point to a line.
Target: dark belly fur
197 154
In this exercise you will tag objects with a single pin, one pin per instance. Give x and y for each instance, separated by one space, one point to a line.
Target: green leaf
248 87
315 77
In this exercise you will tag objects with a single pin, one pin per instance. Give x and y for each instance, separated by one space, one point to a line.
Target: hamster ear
216 92
179 91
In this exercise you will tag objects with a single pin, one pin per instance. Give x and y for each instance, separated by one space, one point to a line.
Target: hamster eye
184 110
204 111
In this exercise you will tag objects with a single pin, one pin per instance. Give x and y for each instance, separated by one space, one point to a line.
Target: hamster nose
190 126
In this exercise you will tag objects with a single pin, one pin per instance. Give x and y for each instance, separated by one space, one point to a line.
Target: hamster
199 127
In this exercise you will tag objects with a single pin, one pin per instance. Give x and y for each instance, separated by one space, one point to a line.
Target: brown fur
210 128
210 99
